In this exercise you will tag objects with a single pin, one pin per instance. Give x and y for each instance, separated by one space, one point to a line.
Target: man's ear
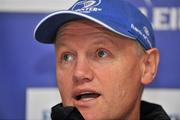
150 65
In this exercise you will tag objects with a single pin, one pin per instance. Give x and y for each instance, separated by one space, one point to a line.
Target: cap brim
47 28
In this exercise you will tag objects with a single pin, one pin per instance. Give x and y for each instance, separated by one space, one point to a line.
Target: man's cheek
67 100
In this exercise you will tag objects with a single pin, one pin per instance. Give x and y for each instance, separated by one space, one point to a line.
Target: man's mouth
86 96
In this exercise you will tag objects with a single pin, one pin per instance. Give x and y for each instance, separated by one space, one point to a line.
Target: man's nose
83 71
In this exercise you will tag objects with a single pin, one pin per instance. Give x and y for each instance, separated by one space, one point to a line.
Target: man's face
98 72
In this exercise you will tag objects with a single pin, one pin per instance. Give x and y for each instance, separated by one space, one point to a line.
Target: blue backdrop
26 63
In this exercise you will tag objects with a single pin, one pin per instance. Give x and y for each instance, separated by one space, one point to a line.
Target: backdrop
27 68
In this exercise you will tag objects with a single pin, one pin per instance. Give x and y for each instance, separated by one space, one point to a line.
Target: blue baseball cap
118 16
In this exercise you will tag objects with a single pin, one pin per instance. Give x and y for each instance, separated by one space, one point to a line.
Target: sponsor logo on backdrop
87 6
164 18
46 114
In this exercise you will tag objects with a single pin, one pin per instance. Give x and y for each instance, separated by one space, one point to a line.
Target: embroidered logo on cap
145 36
146 31
87 6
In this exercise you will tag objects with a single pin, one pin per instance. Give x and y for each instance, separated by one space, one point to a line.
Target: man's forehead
82 26
88 31
79 25
81 22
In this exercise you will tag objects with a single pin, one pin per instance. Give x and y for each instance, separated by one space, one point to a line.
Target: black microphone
58 112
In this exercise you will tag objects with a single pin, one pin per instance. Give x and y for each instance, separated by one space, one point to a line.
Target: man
105 55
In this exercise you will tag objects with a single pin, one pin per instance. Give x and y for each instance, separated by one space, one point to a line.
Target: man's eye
68 57
102 53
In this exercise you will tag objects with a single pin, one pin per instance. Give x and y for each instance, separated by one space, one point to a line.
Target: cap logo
145 36
87 6
146 31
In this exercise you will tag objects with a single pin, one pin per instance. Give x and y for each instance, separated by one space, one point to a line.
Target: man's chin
90 115
94 113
